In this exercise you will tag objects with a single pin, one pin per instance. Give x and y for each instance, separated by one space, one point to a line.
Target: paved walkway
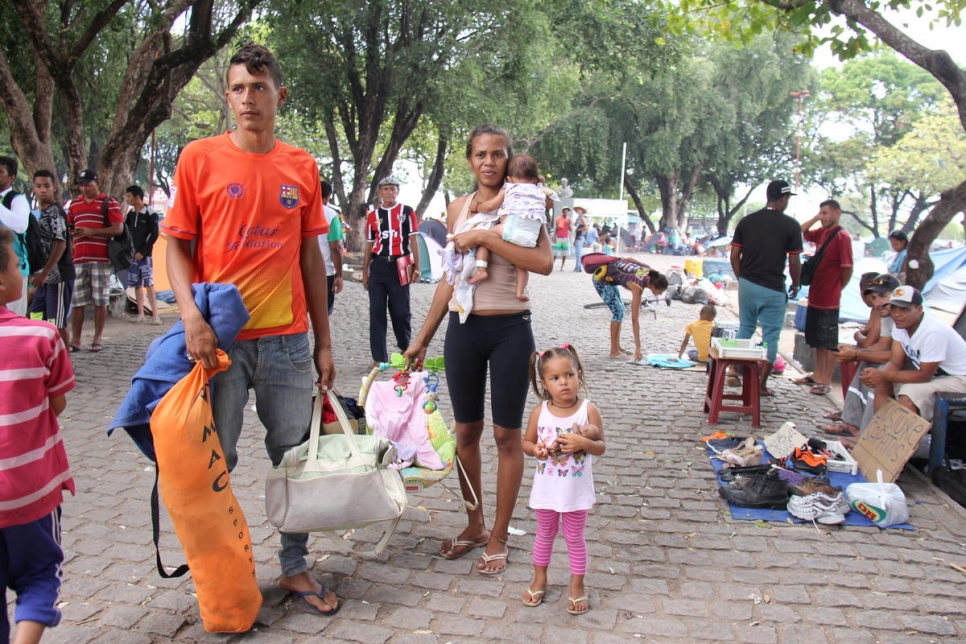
667 563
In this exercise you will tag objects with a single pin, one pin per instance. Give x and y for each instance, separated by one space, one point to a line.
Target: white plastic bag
882 503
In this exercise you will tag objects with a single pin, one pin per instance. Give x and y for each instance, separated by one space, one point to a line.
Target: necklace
571 406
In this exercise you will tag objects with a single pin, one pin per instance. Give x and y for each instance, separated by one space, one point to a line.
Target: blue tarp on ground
837 479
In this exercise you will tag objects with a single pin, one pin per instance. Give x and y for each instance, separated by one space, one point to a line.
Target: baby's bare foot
480 275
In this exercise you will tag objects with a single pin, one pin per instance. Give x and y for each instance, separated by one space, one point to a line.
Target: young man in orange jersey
253 207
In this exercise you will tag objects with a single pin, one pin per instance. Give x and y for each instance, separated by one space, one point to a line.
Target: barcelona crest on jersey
289 196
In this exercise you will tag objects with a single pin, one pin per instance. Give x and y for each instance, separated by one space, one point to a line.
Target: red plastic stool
847 373
750 397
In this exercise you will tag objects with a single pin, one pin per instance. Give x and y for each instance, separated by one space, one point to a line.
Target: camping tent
947 288
430 262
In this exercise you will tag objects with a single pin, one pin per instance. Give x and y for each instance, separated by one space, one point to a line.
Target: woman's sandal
536 598
465 544
486 559
805 380
572 607
834 416
819 389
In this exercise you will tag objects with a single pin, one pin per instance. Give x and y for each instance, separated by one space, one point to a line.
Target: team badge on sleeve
289 196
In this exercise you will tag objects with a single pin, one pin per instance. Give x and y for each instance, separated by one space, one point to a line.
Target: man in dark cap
872 349
762 242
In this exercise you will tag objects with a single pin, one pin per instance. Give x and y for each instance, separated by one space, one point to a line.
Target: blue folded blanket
166 361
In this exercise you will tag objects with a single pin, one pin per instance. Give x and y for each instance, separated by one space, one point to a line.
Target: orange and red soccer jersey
248 214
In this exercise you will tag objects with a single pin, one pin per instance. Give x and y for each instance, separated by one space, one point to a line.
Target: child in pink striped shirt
564 434
35 376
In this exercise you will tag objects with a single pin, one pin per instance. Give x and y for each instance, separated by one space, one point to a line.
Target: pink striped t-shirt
33 463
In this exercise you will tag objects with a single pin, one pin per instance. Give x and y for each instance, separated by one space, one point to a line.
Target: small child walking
701 330
564 433
35 375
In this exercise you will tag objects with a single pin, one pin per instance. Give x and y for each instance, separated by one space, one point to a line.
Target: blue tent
947 288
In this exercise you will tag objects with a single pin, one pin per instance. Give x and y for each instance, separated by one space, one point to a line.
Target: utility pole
800 96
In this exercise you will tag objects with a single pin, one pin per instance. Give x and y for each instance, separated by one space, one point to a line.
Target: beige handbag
336 482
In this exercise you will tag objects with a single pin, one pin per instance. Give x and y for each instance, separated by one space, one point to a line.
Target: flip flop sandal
536 598
74 348
465 544
834 415
767 393
573 602
840 429
304 594
806 380
490 558
97 347
819 390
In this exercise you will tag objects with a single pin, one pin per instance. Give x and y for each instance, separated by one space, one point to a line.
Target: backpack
29 245
120 248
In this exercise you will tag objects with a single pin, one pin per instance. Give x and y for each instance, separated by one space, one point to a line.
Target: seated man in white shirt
936 352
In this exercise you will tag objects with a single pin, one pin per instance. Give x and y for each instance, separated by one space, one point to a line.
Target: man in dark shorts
825 292
55 281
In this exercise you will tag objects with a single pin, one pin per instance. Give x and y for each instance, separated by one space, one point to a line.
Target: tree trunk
155 74
435 176
668 188
636 198
951 203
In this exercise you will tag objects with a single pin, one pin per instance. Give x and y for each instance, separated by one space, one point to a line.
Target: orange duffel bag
196 491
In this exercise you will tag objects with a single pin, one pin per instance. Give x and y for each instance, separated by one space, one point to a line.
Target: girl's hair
487 128
657 280
539 358
899 236
523 167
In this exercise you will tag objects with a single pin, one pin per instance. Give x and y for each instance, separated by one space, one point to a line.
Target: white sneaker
820 507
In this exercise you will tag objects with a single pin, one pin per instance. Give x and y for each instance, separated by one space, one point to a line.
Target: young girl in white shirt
564 433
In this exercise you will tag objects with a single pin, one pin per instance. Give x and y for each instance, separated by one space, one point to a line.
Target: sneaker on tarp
820 507
763 490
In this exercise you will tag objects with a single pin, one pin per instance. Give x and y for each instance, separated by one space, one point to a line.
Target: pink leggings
573 531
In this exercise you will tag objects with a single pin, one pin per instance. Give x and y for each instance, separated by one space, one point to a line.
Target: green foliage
815 22
930 158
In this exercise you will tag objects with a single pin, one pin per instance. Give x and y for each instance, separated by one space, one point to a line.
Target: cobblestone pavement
667 562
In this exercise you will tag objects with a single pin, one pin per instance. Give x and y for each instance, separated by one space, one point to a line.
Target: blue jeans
280 370
578 252
759 304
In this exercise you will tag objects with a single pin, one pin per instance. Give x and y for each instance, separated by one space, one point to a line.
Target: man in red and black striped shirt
391 254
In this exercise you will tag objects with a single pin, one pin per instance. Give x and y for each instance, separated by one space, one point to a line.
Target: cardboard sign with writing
784 441
889 441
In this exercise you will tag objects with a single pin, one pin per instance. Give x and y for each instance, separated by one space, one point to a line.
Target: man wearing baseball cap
935 351
92 265
390 263
873 349
762 242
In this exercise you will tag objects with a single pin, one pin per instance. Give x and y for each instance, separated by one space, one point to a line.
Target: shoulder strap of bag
156 532
828 240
